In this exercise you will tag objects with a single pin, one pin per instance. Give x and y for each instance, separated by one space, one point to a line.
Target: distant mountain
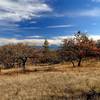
53 47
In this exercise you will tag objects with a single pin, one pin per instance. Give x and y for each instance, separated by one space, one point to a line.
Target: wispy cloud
91 12
95 0
95 12
36 36
30 28
63 37
60 26
33 22
17 10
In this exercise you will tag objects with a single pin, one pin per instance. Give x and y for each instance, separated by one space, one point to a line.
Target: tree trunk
0 69
24 63
79 62
73 63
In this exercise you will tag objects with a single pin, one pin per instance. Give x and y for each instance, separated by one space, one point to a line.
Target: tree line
75 49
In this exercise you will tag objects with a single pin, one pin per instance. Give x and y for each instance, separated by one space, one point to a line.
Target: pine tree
46 51
46 46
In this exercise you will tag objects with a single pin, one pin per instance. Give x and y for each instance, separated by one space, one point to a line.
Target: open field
59 82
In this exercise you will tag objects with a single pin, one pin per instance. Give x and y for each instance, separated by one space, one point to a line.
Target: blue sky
32 21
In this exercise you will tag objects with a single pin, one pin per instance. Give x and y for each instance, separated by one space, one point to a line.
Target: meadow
52 82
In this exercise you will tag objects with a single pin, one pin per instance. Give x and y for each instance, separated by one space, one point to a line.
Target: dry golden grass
59 82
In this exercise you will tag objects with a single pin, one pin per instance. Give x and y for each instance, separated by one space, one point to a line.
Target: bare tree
22 53
67 51
7 57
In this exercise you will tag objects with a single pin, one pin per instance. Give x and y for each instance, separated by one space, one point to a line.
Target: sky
32 21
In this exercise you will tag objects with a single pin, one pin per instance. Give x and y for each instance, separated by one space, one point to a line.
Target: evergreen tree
46 46
46 52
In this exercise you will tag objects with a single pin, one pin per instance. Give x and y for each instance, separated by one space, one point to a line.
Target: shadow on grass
84 96
28 71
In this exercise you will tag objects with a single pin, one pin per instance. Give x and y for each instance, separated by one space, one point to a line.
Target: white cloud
37 42
60 26
33 22
95 12
17 10
95 37
36 36
63 37
95 0
29 28
92 12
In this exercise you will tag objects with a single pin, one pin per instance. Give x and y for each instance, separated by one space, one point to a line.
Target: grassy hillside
55 82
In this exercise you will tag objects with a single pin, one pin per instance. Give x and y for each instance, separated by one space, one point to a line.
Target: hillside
61 82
